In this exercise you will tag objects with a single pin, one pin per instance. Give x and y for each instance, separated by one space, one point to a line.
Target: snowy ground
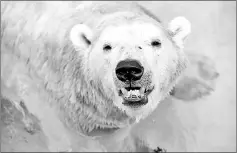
208 124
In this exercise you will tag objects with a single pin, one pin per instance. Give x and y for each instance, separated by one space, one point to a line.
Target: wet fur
50 56
37 56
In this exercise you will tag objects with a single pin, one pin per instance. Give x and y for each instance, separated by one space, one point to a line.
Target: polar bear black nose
129 70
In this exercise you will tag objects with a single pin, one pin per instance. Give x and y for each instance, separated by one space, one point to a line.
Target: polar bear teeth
133 94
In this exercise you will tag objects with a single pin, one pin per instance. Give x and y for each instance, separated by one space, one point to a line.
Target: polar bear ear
180 28
81 36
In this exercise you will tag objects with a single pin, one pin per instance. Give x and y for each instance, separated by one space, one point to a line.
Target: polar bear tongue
133 94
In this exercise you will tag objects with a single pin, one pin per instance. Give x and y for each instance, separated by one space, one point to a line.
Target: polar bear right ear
81 36
180 28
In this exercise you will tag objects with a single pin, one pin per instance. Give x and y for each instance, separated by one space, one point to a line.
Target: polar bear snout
129 70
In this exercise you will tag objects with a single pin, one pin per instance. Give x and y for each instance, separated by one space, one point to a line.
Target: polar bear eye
156 43
107 47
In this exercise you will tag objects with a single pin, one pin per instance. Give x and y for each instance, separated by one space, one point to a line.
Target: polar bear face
134 63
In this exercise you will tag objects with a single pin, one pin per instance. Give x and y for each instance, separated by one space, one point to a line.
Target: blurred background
208 124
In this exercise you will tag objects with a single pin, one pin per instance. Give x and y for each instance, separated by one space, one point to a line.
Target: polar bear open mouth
135 96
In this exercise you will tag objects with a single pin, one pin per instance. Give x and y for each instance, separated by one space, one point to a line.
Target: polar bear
105 65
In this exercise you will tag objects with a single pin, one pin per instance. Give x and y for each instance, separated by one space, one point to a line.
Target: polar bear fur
52 60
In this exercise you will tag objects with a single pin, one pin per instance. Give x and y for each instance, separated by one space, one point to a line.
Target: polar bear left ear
81 36
180 28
